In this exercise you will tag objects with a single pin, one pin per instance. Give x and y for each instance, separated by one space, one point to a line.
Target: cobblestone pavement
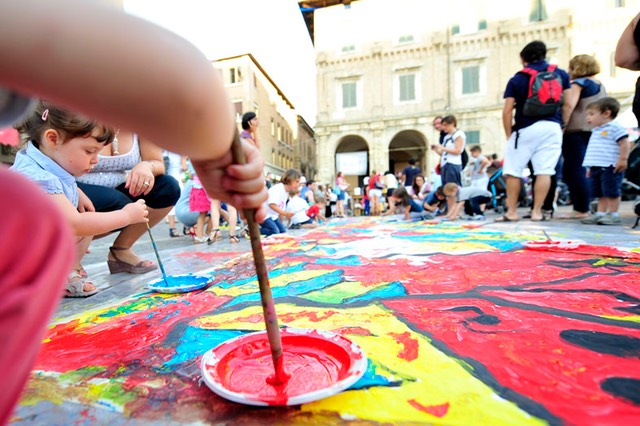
180 255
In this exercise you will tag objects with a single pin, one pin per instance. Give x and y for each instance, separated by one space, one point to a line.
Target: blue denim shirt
48 174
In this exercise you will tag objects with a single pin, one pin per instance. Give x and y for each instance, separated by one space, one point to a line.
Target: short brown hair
290 175
605 104
69 124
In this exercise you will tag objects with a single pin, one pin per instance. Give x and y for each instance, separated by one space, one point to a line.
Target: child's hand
84 202
621 166
137 212
242 186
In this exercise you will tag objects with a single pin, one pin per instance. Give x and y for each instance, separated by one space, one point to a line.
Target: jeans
272 226
574 146
472 205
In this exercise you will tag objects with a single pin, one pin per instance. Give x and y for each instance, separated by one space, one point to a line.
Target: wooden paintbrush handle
268 305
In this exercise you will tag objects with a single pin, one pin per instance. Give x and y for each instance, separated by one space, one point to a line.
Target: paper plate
320 364
553 245
180 283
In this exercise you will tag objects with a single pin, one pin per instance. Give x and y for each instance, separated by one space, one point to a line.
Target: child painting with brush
172 96
62 146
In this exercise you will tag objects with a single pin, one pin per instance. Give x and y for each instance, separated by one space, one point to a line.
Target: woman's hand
243 186
141 179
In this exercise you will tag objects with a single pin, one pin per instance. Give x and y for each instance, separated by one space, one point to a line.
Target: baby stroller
498 188
631 182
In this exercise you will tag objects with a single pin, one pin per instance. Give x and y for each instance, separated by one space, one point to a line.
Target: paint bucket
179 283
320 364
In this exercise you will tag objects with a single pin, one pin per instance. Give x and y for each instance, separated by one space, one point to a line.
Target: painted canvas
460 325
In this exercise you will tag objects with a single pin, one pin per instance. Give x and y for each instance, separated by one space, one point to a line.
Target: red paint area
434 410
409 350
136 338
591 295
524 352
313 362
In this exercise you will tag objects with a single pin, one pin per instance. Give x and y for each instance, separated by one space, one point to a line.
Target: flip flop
504 218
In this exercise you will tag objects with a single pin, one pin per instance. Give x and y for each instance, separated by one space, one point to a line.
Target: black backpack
545 92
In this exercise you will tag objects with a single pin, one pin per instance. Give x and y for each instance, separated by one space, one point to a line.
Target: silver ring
146 183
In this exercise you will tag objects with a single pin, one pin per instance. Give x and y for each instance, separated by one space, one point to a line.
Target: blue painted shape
370 378
294 288
394 289
195 342
343 261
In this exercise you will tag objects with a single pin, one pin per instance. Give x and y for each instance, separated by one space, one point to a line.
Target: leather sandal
116 266
75 286
234 239
215 236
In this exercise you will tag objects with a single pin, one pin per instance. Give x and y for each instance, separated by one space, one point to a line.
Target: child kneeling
62 146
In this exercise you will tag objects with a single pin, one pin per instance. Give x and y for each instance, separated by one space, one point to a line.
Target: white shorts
540 143
375 193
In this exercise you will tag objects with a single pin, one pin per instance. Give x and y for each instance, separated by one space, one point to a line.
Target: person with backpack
535 135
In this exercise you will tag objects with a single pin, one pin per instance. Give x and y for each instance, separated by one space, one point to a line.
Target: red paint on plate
320 364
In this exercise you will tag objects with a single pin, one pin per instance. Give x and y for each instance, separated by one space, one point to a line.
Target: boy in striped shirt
606 160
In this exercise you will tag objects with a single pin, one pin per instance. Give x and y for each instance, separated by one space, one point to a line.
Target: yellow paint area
430 379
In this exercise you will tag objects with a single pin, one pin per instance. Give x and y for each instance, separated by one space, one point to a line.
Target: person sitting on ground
434 202
130 169
316 211
400 198
420 188
62 146
606 159
298 207
470 198
277 203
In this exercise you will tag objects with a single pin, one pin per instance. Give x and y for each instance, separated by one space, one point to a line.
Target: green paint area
111 392
82 374
338 293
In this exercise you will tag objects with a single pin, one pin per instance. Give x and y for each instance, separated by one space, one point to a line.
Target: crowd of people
80 178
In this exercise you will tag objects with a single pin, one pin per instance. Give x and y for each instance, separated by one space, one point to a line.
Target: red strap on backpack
532 73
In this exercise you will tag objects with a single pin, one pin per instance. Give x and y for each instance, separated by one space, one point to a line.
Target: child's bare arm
169 95
94 223
455 210
622 163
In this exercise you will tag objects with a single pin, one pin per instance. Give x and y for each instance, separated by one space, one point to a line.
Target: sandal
199 240
173 233
215 236
75 286
233 239
116 266
81 272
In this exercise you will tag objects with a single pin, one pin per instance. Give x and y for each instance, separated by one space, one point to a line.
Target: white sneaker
609 220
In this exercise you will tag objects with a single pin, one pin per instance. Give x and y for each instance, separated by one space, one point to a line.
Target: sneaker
609 220
591 220
479 217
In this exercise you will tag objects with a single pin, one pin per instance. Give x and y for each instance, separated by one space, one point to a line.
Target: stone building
386 69
286 140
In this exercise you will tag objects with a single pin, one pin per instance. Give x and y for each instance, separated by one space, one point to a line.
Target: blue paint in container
179 283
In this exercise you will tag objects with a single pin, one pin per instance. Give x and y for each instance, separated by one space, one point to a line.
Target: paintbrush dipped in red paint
268 307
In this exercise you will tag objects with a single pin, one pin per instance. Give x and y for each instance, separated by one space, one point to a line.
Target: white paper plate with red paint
320 364
553 244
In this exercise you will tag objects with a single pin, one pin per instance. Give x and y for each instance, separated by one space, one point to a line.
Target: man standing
536 135
410 172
